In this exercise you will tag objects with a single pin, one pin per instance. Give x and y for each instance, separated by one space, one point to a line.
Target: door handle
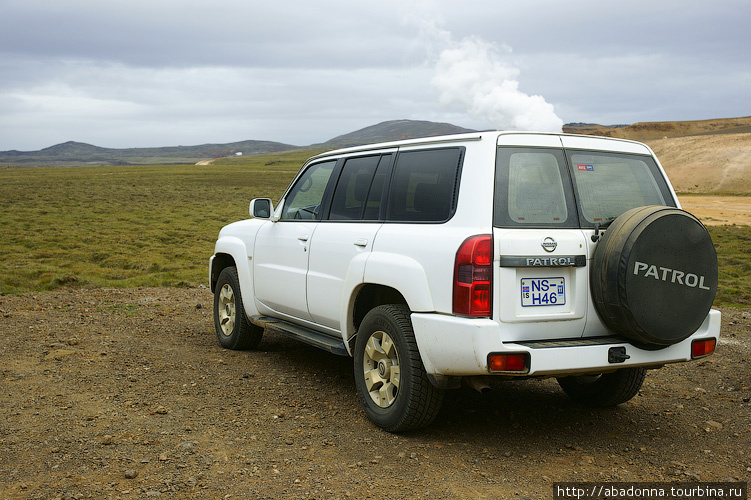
362 242
303 237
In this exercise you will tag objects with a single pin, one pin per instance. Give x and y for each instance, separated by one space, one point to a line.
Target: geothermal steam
472 73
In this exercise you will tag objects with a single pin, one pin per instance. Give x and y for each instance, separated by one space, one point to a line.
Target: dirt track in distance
126 394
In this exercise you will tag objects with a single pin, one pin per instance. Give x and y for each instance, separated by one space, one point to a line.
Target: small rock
187 446
163 457
714 425
107 440
161 410
59 354
131 474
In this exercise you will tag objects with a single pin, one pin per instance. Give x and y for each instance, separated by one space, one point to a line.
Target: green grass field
131 226
126 226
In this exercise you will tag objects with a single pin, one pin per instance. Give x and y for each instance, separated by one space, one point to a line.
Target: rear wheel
391 381
605 389
233 329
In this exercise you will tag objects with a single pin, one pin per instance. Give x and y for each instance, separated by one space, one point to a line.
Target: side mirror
261 208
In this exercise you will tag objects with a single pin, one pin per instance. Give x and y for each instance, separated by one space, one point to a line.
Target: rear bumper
454 346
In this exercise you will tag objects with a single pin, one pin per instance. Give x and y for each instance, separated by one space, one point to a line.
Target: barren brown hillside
703 156
644 131
718 163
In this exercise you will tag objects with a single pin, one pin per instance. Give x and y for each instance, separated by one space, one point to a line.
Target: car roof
472 136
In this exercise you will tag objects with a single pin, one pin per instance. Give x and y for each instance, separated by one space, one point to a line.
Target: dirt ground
126 394
718 210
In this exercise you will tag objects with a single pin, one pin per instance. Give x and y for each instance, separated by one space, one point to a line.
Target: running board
310 337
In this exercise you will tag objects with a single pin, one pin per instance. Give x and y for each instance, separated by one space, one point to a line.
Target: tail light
473 277
508 362
702 347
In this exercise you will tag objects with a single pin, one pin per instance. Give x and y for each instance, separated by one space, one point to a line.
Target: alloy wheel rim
381 369
226 310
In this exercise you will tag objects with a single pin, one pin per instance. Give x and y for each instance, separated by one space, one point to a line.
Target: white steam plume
471 73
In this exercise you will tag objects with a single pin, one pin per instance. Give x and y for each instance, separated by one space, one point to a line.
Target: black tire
654 275
606 389
396 401
233 329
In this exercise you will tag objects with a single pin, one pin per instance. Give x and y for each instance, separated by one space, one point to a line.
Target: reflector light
702 347
516 362
473 277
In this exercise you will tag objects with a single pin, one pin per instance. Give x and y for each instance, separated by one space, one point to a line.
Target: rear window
533 189
608 184
553 188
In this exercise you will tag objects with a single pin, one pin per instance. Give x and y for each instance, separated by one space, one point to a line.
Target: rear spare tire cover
654 275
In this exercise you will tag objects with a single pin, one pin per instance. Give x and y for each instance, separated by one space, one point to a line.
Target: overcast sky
142 73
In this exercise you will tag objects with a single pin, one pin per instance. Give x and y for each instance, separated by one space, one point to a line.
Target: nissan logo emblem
549 244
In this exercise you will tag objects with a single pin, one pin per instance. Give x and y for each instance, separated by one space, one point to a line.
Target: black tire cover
654 275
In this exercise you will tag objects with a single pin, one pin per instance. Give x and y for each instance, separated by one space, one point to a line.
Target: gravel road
126 394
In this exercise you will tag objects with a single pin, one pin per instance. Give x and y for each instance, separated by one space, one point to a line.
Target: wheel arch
231 251
219 262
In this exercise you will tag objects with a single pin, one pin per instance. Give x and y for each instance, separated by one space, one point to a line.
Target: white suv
465 257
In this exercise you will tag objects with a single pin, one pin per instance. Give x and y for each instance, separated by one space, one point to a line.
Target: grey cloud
137 73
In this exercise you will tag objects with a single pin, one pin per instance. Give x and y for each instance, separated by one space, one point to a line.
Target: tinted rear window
423 186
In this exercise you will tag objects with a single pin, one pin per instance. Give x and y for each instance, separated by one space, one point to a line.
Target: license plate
543 292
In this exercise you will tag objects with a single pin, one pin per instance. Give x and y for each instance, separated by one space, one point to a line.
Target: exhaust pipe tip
480 384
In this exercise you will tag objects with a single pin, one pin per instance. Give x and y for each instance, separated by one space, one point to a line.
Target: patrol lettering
669 275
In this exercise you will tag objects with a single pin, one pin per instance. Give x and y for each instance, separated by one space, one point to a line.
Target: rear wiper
601 225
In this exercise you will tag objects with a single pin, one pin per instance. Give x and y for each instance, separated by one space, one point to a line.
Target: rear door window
351 194
359 191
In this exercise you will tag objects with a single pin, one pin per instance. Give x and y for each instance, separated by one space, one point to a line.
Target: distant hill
78 153
645 131
394 130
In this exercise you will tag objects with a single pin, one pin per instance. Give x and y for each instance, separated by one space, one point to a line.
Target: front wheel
605 389
391 381
233 329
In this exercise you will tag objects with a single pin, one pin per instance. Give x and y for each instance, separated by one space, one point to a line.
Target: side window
304 199
423 186
351 192
532 188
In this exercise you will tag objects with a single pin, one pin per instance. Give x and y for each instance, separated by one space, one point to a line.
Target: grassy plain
126 226
131 226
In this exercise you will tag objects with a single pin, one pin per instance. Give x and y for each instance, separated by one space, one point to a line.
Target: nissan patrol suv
462 258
